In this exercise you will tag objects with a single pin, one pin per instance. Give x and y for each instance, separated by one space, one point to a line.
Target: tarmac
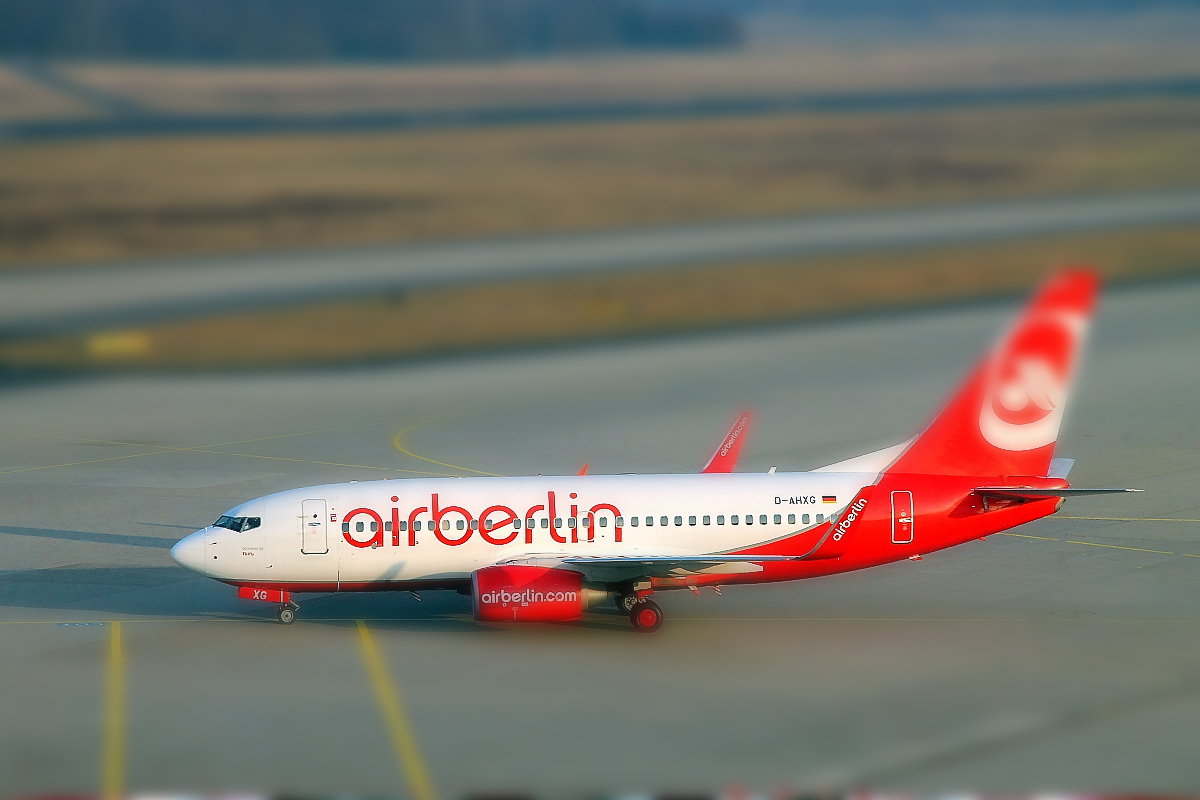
123 294
1065 656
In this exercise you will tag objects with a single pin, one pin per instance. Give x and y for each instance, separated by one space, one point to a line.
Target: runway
48 300
1061 657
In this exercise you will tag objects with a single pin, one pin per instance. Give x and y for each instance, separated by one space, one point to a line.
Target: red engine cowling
527 594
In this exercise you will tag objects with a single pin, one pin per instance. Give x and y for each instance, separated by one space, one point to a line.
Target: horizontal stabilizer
1060 467
1018 493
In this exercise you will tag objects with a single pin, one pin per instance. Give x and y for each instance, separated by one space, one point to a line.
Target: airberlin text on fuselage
497 524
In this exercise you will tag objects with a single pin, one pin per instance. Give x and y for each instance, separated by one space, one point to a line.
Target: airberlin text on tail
1005 418
838 539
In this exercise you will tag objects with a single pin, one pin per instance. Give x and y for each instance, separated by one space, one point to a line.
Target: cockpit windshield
238 524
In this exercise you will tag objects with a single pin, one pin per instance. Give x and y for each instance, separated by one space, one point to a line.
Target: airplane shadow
131 540
171 592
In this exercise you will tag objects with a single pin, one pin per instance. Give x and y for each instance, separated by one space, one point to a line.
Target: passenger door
314 531
902 518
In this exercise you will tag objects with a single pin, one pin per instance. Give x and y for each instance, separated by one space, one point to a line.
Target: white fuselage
426 531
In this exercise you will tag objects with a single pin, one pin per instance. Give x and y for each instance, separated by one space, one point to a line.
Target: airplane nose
189 552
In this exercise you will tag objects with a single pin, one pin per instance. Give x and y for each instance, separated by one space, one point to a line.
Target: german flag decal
829 498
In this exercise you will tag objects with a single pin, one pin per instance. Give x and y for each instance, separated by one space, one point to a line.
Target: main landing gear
646 616
626 601
287 613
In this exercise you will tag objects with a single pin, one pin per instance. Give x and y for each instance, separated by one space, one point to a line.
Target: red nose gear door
902 517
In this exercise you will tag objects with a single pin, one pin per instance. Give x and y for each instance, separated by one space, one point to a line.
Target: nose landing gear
287 609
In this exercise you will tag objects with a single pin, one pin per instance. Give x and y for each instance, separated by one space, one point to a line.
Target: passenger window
529 523
416 524
633 521
749 519
545 522
604 522
734 519
374 527
720 519
679 520
649 522
820 517
762 519
662 520
691 520
620 522
403 524
345 527
475 525
571 522
461 524
358 527
778 520
806 519
558 522
707 520
387 526
446 524
791 519
487 524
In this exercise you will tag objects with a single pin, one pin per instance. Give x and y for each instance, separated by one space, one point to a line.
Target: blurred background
190 134
591 229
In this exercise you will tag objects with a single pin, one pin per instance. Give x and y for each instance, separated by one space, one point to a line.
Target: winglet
582 470
726 454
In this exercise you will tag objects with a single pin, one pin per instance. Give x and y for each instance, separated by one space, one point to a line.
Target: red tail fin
1004 419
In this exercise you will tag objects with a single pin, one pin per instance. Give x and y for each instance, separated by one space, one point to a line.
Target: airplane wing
726 454
615 569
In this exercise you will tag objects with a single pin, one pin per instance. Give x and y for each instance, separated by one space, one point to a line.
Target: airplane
547 549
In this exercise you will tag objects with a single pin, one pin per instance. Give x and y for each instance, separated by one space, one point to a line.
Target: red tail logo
1027 383
1005 418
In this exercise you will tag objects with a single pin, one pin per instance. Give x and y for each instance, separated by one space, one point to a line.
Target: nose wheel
646 617
287 613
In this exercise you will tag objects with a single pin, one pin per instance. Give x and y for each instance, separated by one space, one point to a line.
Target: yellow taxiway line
112 759
1098 544
399 436
390 705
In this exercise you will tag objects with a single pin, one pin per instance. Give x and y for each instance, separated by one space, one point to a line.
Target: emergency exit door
902 517
314 535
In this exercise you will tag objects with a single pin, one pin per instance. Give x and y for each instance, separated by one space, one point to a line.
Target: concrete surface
1068 661
45 300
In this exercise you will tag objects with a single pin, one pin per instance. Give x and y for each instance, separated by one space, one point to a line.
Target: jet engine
523 593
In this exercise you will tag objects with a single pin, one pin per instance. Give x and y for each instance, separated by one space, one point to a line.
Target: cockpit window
238 524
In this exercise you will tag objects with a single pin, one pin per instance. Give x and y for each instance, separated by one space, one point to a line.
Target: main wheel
626 602
286 615
646 617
